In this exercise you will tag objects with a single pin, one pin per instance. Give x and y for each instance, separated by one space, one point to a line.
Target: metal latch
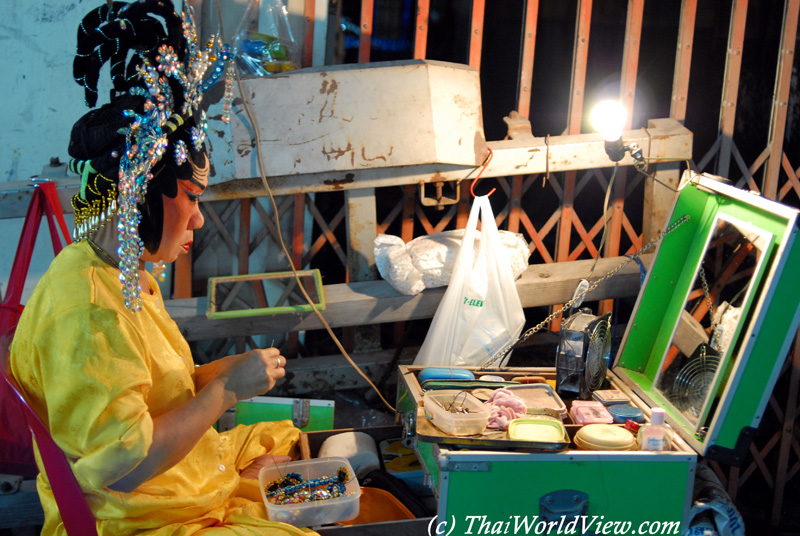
563 503
439 200
410 430
301 412
519 127
464 467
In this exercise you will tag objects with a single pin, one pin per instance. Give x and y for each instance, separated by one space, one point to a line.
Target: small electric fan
690 387
583 355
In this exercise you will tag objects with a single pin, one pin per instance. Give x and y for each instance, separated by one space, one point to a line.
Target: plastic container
610 397
438 406
621 413
537 430
590 412
604 437
444 373
308 514
540 395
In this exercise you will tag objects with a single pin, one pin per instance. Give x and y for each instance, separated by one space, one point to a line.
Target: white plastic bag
480 312
427 261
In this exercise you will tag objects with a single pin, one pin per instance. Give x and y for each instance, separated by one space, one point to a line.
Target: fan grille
583 354
599 352
690 387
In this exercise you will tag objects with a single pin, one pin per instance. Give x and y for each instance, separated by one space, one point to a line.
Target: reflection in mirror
694 367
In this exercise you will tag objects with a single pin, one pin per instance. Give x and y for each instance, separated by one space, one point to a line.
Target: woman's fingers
256 372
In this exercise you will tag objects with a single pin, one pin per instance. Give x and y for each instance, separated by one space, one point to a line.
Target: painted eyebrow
193 196
196 182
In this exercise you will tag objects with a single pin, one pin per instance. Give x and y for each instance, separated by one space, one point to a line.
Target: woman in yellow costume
95 352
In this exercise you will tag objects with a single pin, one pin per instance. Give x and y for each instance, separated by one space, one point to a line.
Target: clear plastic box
590 412
437 410
313 513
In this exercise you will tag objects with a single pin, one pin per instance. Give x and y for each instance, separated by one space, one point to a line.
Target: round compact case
604 437
623 412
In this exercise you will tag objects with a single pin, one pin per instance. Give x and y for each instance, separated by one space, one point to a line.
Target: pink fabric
504 407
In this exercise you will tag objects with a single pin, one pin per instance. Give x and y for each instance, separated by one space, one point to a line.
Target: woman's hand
267 460
252 373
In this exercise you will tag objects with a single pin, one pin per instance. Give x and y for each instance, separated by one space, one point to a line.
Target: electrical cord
605 219
641 169
267 188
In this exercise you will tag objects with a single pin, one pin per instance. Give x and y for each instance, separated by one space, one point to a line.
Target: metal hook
483 168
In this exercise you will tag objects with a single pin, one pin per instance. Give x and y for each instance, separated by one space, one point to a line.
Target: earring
158 270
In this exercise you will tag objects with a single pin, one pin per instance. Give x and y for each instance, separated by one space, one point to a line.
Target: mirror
694 366
264 294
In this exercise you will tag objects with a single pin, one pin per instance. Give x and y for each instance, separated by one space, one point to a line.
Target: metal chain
579 297
710 302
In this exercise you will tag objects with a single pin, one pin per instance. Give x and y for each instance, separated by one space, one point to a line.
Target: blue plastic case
444 373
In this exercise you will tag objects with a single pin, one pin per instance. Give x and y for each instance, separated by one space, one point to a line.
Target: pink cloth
504 406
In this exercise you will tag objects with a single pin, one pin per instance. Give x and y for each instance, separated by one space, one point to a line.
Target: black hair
127 36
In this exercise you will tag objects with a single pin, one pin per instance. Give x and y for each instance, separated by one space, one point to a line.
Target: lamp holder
616 151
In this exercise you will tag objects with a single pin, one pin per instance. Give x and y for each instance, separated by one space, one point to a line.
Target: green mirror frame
770 312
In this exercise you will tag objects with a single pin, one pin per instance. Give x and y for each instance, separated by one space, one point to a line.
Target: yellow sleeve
94 372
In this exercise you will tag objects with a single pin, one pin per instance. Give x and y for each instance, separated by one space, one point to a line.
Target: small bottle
655 436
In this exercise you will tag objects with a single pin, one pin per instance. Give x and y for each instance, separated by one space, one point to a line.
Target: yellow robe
97 374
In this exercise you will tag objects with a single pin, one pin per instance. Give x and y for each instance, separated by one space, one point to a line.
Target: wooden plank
309 8
630 56
787 434
730 88
580 56
365 39
780 99
421 29
476 33
362 222
664 140
683 60
376 302
528 53
630 68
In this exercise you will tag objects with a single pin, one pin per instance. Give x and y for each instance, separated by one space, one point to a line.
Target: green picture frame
264 294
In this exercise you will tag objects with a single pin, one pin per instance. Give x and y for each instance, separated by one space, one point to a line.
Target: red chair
75 513
16 449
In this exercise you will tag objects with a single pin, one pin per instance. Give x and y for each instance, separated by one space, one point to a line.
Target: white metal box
367 115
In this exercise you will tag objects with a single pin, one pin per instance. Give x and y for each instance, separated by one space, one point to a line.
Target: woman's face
181 216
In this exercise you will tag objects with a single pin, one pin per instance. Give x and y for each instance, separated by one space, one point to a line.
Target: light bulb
608 119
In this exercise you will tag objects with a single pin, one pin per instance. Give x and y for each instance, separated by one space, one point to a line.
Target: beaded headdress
159 74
